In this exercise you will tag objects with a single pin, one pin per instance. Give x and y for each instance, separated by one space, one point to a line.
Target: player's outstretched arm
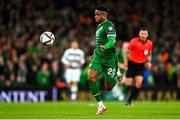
125 57
110 43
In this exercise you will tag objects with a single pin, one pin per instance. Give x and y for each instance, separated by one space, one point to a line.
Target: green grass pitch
87 110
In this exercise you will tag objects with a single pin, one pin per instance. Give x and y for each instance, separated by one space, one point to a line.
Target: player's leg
128 81
94 71
74 84
93 75
129 85
68 77
138 78
137 70
138 84
120 88
121 76
110 78
74 89
110 70
117 91
138 81
135 88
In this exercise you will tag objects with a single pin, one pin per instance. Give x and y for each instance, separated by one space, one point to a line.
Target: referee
136 58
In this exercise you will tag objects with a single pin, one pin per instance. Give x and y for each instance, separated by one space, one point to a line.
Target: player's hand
80 63
148 65
125 67
67 66
122 81
90 57
101 47
120 76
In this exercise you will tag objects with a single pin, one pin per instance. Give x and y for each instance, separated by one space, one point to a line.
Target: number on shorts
111 71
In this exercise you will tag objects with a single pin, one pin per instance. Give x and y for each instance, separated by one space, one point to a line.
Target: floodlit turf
87 110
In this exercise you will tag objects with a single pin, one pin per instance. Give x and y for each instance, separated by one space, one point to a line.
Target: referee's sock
133 94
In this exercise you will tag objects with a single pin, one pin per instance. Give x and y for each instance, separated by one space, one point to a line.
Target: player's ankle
100 103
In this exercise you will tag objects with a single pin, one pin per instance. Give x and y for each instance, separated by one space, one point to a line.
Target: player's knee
93 75
128 83
92 79
109 86
138 81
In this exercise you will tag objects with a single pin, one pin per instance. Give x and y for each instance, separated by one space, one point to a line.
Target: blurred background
26 63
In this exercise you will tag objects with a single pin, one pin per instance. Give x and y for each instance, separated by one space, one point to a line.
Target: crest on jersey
110 28
146 52
98 31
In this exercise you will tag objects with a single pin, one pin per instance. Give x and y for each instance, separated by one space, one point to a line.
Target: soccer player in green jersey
121 66
119 89
104 57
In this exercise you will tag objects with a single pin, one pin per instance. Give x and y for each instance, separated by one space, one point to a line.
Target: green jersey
104 30
105 61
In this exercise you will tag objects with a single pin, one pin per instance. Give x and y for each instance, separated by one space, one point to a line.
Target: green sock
95 91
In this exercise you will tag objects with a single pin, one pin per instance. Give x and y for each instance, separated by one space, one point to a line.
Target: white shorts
72 75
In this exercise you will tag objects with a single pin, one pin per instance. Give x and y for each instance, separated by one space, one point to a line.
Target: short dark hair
143 28
102 9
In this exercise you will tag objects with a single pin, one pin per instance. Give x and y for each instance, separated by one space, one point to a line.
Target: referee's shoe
128 103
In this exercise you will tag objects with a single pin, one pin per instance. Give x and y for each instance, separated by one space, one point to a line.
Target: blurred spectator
56 74
160 75
43 76
2 81
178 75
21 73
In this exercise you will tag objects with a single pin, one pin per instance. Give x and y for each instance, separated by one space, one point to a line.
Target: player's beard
98 20
143 40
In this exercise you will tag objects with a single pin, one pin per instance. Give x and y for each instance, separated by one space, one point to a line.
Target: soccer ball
47 38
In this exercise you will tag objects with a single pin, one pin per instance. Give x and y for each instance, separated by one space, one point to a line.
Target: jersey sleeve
111 30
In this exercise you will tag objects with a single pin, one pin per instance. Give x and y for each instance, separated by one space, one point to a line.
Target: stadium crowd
24 61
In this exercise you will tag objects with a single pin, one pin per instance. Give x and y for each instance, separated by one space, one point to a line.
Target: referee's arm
148 65
125 57
149 57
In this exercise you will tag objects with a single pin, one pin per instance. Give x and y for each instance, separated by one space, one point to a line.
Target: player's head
74 44
44 67
100 14
143 34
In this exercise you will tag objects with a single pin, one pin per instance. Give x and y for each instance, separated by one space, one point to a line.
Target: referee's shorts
134 69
